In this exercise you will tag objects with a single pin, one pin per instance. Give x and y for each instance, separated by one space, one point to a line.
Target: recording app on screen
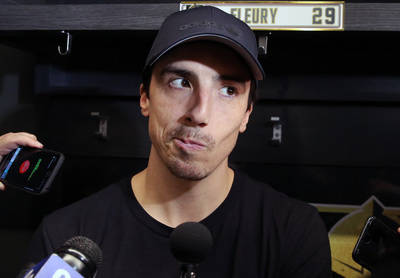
29 168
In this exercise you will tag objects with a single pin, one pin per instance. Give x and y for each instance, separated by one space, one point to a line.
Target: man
197 93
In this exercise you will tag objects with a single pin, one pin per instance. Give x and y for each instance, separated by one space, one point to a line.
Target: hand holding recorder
26 165
10 141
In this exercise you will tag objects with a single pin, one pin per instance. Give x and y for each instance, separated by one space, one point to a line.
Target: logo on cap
206 23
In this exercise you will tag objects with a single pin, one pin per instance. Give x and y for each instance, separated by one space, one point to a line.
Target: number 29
318 14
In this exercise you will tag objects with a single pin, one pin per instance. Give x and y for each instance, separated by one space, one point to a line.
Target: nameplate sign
282 15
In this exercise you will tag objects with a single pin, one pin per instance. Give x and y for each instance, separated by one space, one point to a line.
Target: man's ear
144 101
243 124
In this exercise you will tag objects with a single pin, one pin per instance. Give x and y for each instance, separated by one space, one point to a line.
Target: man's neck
172 200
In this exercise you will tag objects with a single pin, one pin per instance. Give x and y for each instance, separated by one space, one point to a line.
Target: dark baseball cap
210 24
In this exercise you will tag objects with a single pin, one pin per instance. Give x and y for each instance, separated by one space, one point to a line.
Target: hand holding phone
30 169
11 140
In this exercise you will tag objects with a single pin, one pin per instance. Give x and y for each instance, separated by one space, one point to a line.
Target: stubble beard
184 165
186 170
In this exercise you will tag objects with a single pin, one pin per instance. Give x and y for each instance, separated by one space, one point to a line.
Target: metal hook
276 123
102 132
263 44
68 44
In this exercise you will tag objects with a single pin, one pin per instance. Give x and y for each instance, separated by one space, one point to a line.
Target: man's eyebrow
177 71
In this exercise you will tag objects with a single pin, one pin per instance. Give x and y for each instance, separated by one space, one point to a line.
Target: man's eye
228 91
180 83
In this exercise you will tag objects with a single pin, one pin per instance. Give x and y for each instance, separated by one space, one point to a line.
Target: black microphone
190 243
79 257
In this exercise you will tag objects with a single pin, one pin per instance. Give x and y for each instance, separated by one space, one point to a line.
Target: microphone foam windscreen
190 242
87 247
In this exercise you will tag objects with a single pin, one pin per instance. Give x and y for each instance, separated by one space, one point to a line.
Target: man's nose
199 108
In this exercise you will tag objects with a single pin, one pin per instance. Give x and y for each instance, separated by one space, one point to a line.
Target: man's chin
188 172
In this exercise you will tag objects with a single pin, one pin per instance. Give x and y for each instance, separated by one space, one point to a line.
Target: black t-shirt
257 232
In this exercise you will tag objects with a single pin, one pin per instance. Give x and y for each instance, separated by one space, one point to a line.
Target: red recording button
24 166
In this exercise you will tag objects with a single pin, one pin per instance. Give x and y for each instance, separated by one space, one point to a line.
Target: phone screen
30 168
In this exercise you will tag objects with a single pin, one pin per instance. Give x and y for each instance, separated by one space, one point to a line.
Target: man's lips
189 144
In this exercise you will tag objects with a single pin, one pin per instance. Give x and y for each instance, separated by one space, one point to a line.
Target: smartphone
377 243
30 169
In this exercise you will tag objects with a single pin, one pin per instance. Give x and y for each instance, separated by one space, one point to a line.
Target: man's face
197 105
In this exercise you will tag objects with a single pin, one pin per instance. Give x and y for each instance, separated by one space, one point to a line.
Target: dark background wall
337 95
